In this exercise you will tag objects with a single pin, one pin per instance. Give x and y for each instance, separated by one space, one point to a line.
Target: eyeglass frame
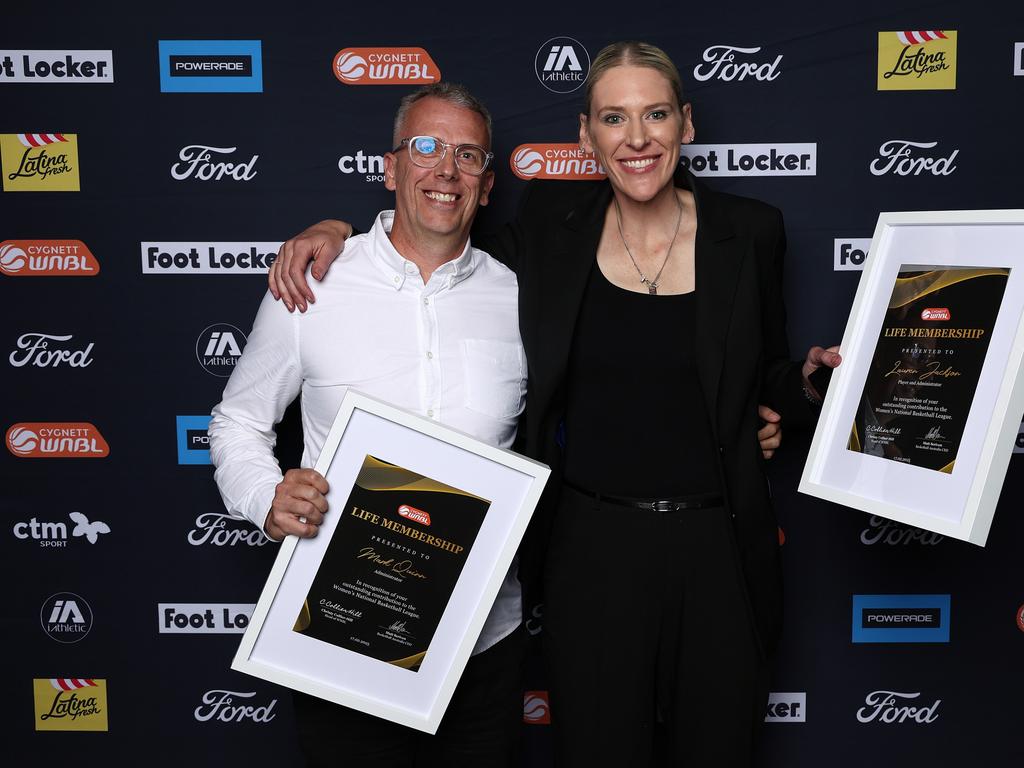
407 142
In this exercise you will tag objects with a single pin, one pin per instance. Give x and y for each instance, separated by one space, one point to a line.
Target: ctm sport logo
920 60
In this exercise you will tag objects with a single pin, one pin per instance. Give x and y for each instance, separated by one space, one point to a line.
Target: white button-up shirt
448 350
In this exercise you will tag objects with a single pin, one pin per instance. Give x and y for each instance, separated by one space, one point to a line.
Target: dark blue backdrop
168 542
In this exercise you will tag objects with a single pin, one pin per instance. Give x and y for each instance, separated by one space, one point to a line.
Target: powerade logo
901 618
193 440
211 66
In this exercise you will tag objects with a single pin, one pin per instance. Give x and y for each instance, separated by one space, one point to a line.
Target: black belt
656 505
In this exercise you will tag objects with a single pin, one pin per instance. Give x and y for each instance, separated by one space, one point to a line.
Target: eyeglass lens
427 151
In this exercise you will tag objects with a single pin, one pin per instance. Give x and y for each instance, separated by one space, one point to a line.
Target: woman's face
635 128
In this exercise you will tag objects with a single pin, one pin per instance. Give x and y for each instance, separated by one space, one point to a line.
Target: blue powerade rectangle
211 66
901 618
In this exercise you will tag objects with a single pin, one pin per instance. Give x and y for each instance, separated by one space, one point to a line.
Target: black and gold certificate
387 574
927 363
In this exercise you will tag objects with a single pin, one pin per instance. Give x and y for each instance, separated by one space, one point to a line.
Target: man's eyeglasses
428 151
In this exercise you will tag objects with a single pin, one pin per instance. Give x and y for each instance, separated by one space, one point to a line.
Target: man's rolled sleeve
267 377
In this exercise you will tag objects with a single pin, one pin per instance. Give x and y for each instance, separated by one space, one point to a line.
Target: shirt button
410 269
430 413
426 302
397 278
430 355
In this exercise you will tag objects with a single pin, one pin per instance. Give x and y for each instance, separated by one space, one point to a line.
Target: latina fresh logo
40 162
919 60
70 704
385 66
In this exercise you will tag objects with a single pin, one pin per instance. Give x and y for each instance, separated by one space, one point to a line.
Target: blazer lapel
573 251
718 259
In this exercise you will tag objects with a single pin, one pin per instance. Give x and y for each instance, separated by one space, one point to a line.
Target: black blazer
741 350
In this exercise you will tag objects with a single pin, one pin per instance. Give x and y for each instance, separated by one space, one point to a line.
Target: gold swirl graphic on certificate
391 565
927 363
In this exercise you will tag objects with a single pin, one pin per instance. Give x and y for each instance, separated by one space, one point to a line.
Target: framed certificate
381 610
921 417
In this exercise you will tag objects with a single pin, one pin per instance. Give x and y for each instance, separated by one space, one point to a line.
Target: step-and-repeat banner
151 168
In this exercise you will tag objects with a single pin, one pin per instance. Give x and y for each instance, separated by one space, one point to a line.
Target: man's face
438 201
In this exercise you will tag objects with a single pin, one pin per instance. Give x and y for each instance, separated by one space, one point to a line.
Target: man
422 319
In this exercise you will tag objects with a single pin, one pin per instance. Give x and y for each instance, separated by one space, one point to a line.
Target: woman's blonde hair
637 54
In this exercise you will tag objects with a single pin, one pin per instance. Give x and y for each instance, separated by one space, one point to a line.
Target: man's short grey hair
453 93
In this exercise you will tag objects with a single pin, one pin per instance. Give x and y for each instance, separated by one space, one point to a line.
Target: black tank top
636 424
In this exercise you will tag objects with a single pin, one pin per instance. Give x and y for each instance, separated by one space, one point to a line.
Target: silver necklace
652 285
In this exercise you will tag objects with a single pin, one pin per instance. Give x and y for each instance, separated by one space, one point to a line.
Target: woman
651 312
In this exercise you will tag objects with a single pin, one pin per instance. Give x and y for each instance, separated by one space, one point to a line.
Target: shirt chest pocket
495 376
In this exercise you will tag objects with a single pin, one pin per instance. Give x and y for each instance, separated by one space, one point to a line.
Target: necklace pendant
652 288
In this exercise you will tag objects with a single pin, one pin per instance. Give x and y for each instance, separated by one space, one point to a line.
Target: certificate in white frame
274 647
958 502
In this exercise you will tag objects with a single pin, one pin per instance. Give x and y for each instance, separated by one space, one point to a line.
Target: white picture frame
961 503
273 650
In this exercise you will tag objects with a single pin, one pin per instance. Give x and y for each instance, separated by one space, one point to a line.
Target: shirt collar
397 268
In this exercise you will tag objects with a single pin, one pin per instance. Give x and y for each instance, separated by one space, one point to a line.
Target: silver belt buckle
664 506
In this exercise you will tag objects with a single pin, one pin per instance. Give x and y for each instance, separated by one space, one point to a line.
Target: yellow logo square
40 162
70 704
922 60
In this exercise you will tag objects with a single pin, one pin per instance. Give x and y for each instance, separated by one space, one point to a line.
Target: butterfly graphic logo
83 527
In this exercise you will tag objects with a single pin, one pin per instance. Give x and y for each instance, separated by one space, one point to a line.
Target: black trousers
649 643
481 727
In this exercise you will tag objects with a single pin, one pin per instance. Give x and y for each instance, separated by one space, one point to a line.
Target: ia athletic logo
66 617
562 64
218 348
